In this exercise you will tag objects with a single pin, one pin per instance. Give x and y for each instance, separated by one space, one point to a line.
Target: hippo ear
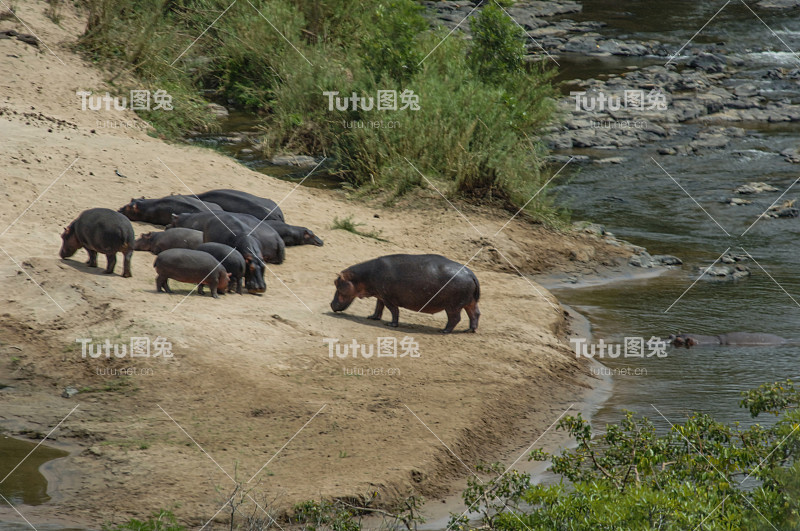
67 230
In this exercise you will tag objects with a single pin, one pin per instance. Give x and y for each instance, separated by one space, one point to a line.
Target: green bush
481 107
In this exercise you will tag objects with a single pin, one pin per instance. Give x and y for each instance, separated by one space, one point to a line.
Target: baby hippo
156 242
231 260
194 267
100 230
427 283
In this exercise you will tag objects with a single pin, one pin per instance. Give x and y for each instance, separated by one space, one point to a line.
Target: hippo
294 235
100 230
159 211
729 339
189 265
244 203
426 283
231 260
234 233
156 242
273 247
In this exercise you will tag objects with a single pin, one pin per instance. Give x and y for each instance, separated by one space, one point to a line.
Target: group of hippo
218 238
221 237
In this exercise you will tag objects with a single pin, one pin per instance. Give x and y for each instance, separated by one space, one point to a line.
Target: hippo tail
477 293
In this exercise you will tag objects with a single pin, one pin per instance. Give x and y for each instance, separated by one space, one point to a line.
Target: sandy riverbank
249 372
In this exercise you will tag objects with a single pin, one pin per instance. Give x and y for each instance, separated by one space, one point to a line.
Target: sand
250 386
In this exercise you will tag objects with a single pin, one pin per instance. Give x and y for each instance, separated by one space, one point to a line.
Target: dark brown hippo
729 339
294 235
194 267
231 260
159 211
426 283
100 230
244 203
234 233
273 248
156 242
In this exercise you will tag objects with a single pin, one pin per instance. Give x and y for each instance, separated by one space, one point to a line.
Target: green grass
481 107
351 226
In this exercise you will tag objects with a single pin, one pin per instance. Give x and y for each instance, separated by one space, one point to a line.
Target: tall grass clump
481 106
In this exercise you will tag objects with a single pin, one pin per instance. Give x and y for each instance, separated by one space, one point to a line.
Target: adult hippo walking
730 339
427 283
100 230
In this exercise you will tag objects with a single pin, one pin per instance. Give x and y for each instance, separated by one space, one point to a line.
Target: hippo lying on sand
100 230
426 283
729 339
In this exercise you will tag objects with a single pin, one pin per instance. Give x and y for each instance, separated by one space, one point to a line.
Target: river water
638 202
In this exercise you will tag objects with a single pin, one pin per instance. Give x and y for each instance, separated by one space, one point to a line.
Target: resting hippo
730 339
159 211
231 260
188 265
273 248
294 235
236 234
156 242
236 201
426 283
100 230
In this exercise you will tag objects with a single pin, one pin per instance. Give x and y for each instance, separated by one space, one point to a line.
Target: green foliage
325 515
474 136
351 226
700 473
392 48
497 49
160 521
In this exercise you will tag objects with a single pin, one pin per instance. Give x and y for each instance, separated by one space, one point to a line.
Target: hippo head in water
69 242
681 340
346 292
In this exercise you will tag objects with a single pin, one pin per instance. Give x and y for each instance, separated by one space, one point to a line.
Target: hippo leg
395 311
92 258
213 285
453 317
376 315
200 289
111 263
161 284
474 313
238 285
126 265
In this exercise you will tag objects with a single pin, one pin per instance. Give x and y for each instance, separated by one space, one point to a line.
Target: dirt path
250 380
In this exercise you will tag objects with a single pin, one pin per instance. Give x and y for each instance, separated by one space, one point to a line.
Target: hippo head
144 242
69 242
224 279
309 238
682 340
254 273
132 210
345 292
